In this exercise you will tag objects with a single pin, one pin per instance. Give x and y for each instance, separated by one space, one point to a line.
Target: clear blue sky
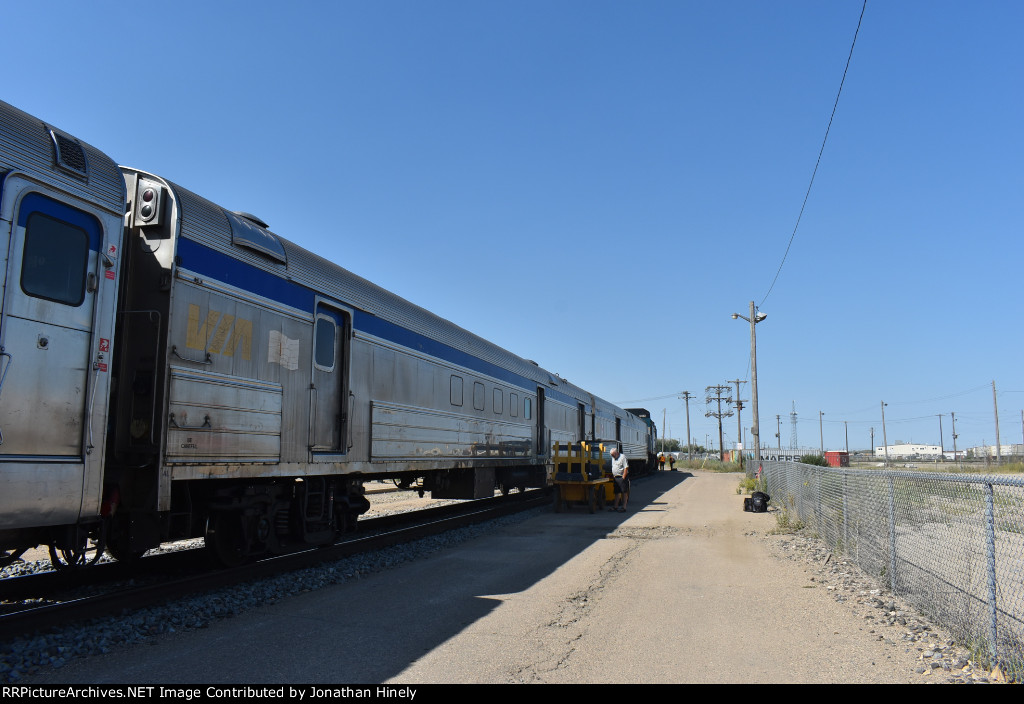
598 185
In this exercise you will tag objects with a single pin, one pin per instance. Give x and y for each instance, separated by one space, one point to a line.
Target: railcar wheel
123 554
225 539
77 549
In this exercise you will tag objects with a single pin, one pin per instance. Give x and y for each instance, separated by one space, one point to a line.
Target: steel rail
387 532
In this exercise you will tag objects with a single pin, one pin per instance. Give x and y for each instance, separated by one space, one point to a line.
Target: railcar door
48 318
542 436
47 373
329 406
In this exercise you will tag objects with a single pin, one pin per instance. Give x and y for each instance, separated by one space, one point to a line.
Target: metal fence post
892 534
816 476
937 514
990 559
846 514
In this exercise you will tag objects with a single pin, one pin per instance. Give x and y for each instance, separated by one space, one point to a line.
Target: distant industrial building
909 451
990 451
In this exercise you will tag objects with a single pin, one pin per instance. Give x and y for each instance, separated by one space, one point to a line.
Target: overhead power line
644 400
820 152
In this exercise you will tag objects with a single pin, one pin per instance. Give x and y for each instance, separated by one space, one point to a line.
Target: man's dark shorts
621 485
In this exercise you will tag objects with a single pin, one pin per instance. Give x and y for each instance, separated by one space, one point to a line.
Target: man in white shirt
620 475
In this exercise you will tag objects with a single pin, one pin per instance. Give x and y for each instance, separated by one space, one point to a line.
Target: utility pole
872 442
952 418
847 429
821 432
941 442
739 413
754 319
755 429
718 398
885 439
778 430
686 397
999 454
664 413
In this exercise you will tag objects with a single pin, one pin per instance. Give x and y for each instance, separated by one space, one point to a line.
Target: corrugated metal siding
25 145
206 223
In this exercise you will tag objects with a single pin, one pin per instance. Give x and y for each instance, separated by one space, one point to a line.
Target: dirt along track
684 588
686 591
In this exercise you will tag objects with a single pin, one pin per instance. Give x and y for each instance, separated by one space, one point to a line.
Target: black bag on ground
759 502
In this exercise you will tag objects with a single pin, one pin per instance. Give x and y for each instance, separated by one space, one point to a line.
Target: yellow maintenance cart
579 476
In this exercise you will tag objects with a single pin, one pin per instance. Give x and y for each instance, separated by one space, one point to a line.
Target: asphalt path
680 589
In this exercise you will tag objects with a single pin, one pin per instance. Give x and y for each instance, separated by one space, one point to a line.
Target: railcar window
478 396
527 408
456 392
324 336
499 396
55 260
513 405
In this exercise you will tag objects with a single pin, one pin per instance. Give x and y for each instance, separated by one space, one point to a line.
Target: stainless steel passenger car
61 206
248 387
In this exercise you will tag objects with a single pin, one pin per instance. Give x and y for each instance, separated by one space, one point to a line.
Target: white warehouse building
990 450
908 451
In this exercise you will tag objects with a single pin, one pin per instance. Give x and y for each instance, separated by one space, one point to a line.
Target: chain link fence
951 545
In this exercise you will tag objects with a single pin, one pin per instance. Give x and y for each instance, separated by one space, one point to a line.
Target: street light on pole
754 319
821 432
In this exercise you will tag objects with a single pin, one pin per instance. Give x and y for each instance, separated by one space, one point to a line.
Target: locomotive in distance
171 369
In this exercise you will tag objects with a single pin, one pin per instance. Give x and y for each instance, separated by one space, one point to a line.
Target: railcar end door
48 335
48 321
329 407
542 436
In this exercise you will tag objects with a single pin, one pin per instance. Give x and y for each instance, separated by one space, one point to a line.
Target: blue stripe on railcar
234 272
38 203
210 262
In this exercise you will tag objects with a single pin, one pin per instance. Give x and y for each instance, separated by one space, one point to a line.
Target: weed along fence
951 545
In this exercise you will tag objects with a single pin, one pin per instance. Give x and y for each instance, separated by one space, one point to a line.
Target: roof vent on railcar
68 154
252 233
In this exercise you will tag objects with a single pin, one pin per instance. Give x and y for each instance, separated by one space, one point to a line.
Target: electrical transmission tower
739 409
792 436
714 393
739 416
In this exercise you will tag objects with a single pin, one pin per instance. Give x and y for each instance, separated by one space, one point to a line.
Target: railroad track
55 599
